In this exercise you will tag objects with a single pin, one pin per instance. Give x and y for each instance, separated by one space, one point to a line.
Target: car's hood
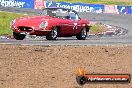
31 21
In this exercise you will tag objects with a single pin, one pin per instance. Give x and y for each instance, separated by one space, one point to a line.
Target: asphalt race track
123 21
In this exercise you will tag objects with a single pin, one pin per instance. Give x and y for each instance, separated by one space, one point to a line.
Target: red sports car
53 23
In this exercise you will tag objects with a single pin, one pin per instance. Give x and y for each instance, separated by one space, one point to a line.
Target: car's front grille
27 29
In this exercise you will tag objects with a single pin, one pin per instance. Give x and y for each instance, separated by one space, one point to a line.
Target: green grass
5 18
97 28
117 2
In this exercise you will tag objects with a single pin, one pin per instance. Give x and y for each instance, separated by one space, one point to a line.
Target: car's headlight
44 24
12 22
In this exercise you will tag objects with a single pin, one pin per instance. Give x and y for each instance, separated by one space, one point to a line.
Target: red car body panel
66 26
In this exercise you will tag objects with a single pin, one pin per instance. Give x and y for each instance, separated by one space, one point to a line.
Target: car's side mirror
79 18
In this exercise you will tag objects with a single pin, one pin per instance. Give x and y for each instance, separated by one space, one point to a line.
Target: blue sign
79 7
17 3
124 9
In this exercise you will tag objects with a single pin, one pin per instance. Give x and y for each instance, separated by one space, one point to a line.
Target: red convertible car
52 23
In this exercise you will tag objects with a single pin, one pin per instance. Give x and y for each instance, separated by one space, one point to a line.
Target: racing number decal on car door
75 26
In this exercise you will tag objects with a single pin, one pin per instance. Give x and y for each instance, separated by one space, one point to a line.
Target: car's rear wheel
82 35
18 36
53 34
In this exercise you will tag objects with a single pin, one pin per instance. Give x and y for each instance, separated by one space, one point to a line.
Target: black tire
82 35
18 36
81 80
53 34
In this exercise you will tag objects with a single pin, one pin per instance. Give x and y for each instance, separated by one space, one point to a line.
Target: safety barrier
117 9
79 7
97 8
17 3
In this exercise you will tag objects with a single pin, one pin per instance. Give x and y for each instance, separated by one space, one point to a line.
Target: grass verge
5 18
97 28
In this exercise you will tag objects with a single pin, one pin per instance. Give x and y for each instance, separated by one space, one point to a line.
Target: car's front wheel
53 34
82 35
18 36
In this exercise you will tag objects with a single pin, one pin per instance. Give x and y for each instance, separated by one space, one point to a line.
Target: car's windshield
56 13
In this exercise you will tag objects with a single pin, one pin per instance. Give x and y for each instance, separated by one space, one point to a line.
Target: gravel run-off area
56 66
